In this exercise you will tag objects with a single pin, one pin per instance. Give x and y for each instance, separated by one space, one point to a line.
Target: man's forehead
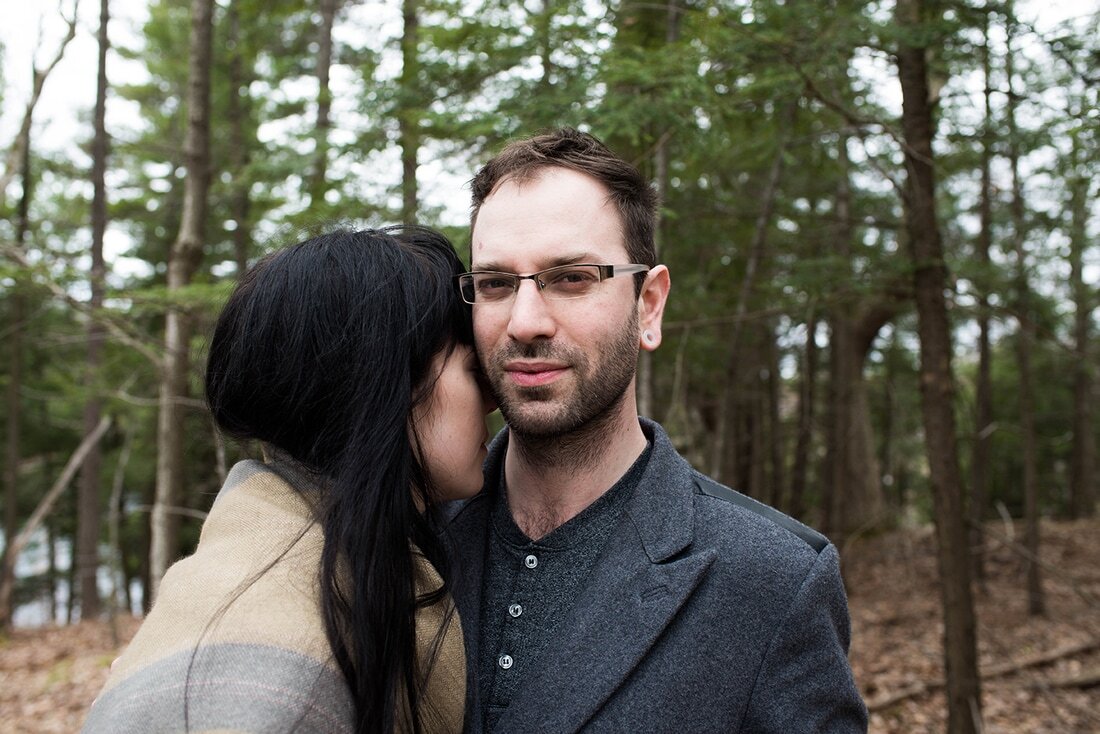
560 217
511 262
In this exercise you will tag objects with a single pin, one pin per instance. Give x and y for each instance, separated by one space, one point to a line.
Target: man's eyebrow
572 259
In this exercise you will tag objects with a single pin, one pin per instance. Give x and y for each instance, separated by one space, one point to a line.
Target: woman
314 601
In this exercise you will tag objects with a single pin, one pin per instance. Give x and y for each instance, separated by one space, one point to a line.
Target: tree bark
408 115
646 24
318 183
88 504
183 260
239 109
51 570
1025 340
937 380
727 413
853 495
114 534
1083 461
776 439
806 395
886 456
13 397
983 399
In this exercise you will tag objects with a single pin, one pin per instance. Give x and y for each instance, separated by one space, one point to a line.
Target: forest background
880 219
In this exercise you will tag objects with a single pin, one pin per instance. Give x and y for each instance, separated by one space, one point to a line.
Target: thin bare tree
318 184
408 111
983 398
1025 337
937 379
88 504
1083 463
183 260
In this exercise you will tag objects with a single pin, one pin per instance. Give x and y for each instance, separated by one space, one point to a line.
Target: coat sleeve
805 683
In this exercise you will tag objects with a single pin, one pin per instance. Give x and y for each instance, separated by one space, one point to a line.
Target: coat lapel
466 539
641 581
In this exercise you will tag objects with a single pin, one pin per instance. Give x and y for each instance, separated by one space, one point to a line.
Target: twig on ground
990 673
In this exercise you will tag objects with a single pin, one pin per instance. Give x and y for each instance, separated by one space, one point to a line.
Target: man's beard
570 431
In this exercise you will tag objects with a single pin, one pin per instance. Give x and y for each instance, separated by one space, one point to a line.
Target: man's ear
651 306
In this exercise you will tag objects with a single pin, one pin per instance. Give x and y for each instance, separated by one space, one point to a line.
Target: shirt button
515 610
505 661
530 561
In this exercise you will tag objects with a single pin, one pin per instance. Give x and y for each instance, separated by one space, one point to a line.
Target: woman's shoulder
227 687
245 604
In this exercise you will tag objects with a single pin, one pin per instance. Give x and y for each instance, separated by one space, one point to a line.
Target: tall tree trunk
408 114
983 399
806 395
853 496
13 399
727 414
88 514
13 409
239 110
660 175
1025 339
544 25
889 381
318 184
1082 488
114 535
51 570
775 438
937 379
183 260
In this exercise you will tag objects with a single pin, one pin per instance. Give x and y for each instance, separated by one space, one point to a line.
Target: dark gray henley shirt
530 585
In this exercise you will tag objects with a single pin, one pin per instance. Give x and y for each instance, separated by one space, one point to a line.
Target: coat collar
644 575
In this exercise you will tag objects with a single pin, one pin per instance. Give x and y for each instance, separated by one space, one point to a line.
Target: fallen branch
1043 658
1087 679
994 671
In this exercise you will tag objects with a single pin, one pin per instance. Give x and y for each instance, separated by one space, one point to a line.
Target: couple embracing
382 571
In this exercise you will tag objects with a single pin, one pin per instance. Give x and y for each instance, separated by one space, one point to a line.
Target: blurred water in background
33 589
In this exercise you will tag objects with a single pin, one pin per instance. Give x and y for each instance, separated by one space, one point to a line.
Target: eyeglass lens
570 281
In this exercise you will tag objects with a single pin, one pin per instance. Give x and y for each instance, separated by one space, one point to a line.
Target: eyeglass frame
604 272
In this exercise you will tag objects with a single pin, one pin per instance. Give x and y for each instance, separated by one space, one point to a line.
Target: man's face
555 365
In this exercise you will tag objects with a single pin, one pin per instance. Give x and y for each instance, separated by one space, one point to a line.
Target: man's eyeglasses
563 282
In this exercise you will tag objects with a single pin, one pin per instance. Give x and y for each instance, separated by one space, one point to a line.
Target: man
603 584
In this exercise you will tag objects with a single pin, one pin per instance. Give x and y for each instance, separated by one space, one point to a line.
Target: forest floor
1040 675
1034 669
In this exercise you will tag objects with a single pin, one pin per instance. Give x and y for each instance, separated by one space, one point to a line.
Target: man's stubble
572 436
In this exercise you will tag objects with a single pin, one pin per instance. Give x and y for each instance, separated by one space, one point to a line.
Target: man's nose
531 316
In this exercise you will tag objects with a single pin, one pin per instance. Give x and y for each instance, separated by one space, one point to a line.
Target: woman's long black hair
322 351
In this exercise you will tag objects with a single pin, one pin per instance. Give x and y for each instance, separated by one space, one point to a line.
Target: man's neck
552 480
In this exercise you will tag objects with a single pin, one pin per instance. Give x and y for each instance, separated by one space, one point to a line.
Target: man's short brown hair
633 197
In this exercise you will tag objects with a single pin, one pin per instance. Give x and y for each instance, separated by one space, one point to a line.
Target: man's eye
573 279
488 285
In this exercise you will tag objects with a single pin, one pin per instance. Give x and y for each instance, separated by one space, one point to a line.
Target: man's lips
530 374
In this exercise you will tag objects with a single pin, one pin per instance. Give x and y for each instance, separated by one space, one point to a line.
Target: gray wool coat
706 612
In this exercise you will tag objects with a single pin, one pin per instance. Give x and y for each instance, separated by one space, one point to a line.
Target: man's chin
534 418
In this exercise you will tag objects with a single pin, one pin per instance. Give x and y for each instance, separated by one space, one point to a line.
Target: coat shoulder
754 542
757 512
